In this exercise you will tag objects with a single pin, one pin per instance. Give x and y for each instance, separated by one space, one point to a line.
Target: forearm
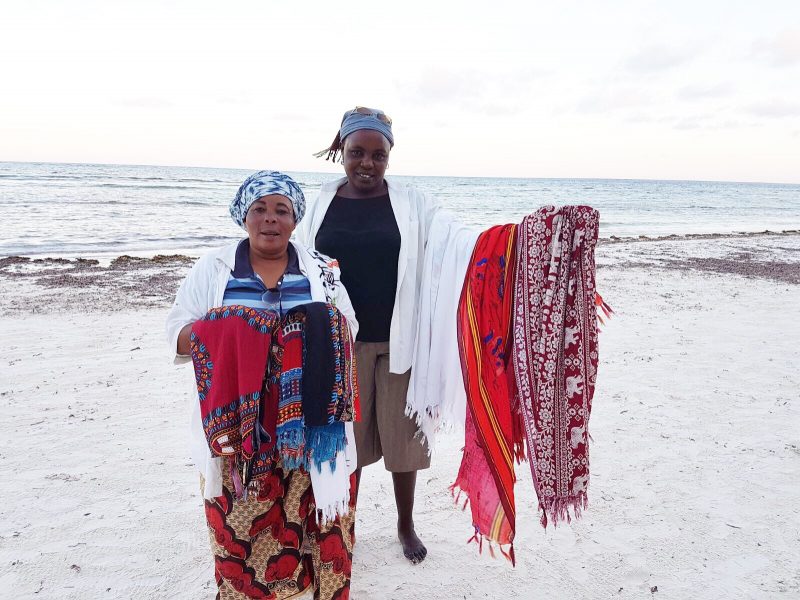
184 347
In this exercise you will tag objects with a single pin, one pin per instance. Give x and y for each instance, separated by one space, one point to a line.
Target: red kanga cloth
527 329
230 346
555 351
493 431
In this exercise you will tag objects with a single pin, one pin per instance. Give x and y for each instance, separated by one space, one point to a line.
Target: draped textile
555 351
436 397
494 433
249 370
318 387
230 348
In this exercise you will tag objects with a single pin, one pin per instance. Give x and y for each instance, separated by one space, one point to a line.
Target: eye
355 153
379 157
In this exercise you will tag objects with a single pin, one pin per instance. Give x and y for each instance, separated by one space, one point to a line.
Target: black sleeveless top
362 234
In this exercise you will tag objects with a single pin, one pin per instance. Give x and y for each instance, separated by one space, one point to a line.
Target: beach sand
695 459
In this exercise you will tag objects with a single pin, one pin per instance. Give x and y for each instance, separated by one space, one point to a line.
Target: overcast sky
707 89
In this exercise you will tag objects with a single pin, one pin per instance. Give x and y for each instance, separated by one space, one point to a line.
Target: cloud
618 98
701 92
688 123
781 50
775 109
441 85
489 91
657 58
145 103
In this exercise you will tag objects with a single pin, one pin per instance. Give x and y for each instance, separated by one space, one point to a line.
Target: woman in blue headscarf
265 534
377 230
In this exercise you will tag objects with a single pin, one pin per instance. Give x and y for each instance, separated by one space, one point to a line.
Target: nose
366 162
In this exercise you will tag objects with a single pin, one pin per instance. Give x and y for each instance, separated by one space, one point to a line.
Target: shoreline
161 255
49 284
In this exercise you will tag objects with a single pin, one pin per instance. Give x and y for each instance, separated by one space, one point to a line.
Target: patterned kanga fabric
294 377
493 431
318 387
269 545
555 351
230 348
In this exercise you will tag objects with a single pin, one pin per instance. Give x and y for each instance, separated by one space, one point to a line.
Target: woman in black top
376 230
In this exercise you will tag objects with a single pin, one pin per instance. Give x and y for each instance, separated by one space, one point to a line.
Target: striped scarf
493 431
318 387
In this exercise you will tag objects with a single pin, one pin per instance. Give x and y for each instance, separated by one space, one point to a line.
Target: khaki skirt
384 430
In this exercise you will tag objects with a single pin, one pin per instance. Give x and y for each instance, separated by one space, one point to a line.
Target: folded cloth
230 349
279 390
318 388
493 431
555 351
436 398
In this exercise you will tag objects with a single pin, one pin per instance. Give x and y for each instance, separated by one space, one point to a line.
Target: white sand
695 460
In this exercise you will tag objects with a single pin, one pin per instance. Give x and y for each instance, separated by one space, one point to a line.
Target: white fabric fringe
436 397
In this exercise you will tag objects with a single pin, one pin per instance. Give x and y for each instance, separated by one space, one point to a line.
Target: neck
350 191
270 267
268 258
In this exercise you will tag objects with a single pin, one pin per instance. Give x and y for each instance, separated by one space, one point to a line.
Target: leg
368 442
404 486
403 454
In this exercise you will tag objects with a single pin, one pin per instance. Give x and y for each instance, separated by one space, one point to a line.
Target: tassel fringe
508 554
558 510
602 307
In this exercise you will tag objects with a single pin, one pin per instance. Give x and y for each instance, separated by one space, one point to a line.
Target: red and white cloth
555 351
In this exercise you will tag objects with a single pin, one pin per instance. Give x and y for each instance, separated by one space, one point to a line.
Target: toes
417 556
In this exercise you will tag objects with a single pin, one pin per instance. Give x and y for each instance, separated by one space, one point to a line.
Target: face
270 223
366 155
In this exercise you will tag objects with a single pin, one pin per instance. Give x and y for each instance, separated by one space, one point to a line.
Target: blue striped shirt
245 287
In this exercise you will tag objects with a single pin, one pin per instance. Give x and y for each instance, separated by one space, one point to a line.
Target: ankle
405 524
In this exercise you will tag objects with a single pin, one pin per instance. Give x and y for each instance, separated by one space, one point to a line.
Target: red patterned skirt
270 546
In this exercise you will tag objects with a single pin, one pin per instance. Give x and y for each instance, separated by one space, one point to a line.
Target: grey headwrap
265 183
353 120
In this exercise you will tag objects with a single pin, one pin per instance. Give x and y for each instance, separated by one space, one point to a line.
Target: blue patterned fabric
265 183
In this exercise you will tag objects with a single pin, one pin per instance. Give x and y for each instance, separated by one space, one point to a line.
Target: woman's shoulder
226 253
409 190
322 261
216 258
421 204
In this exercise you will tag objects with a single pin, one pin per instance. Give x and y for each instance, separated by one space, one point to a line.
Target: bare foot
413 548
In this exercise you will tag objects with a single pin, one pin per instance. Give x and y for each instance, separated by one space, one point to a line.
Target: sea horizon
96 210
391 175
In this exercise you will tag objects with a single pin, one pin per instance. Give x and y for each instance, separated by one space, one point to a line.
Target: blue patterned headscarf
265 183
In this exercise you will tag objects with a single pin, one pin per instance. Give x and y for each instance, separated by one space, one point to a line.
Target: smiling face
366 155
270 223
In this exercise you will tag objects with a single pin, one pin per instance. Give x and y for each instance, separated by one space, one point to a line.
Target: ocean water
86 210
